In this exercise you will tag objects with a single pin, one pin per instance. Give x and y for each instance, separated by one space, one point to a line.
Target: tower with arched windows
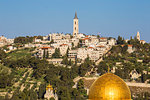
75 25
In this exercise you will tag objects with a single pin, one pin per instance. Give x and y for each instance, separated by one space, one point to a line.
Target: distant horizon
110 18
64 33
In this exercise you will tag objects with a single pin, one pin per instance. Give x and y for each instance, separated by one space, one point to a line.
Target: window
75 23
75 28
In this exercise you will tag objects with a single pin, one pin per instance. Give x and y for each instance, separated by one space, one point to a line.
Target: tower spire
75 17
75 26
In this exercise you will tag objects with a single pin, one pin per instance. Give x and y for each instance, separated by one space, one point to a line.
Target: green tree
80 87
33 95
42 90
44 53
52 98
56 54
23 40
2 54
47 54
65 60
52 41
120 40
39 37
143 78
102 67
124 49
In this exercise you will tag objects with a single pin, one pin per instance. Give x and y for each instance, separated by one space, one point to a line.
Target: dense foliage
5 76
124 62
24 95
61 78
56 54
23 40
2 54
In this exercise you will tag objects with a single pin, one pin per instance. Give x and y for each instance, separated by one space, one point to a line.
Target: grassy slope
18 54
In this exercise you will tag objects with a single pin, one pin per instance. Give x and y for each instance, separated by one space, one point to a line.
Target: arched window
75 23
75 28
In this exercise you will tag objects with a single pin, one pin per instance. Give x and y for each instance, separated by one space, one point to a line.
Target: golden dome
109 87
49 87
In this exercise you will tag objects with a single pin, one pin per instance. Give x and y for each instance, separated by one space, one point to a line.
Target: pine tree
44 53
47 55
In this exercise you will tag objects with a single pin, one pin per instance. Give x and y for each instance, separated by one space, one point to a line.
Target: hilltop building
5 41
75 26
77 46
138 38
138 35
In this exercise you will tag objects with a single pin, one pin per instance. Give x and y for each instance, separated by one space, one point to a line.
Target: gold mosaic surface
109 87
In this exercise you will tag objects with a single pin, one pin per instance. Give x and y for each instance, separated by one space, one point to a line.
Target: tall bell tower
138 35
75 26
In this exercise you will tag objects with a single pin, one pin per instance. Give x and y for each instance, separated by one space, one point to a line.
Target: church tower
75 26
138 36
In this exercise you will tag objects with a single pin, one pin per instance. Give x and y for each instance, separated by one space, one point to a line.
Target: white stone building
101 48
82 53
63 49
111 42
55 60
130 48
94 41
80 35
94 55
45 51
72 54
62 41
75 41
5 41
86 41
134 74
50 93
103 41
68 36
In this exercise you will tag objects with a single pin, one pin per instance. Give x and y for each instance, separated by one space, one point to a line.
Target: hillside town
73 60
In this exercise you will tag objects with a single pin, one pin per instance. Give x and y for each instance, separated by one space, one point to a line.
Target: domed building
109 87
49 93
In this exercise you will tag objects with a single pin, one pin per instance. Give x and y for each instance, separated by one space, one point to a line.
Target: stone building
45 51
72 54
86 41
75 41
55 60
63 49
82 53
130 48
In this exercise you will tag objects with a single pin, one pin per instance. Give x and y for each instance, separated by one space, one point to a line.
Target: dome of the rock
109 87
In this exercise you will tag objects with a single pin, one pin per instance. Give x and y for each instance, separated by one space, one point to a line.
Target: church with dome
50 93
109 87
